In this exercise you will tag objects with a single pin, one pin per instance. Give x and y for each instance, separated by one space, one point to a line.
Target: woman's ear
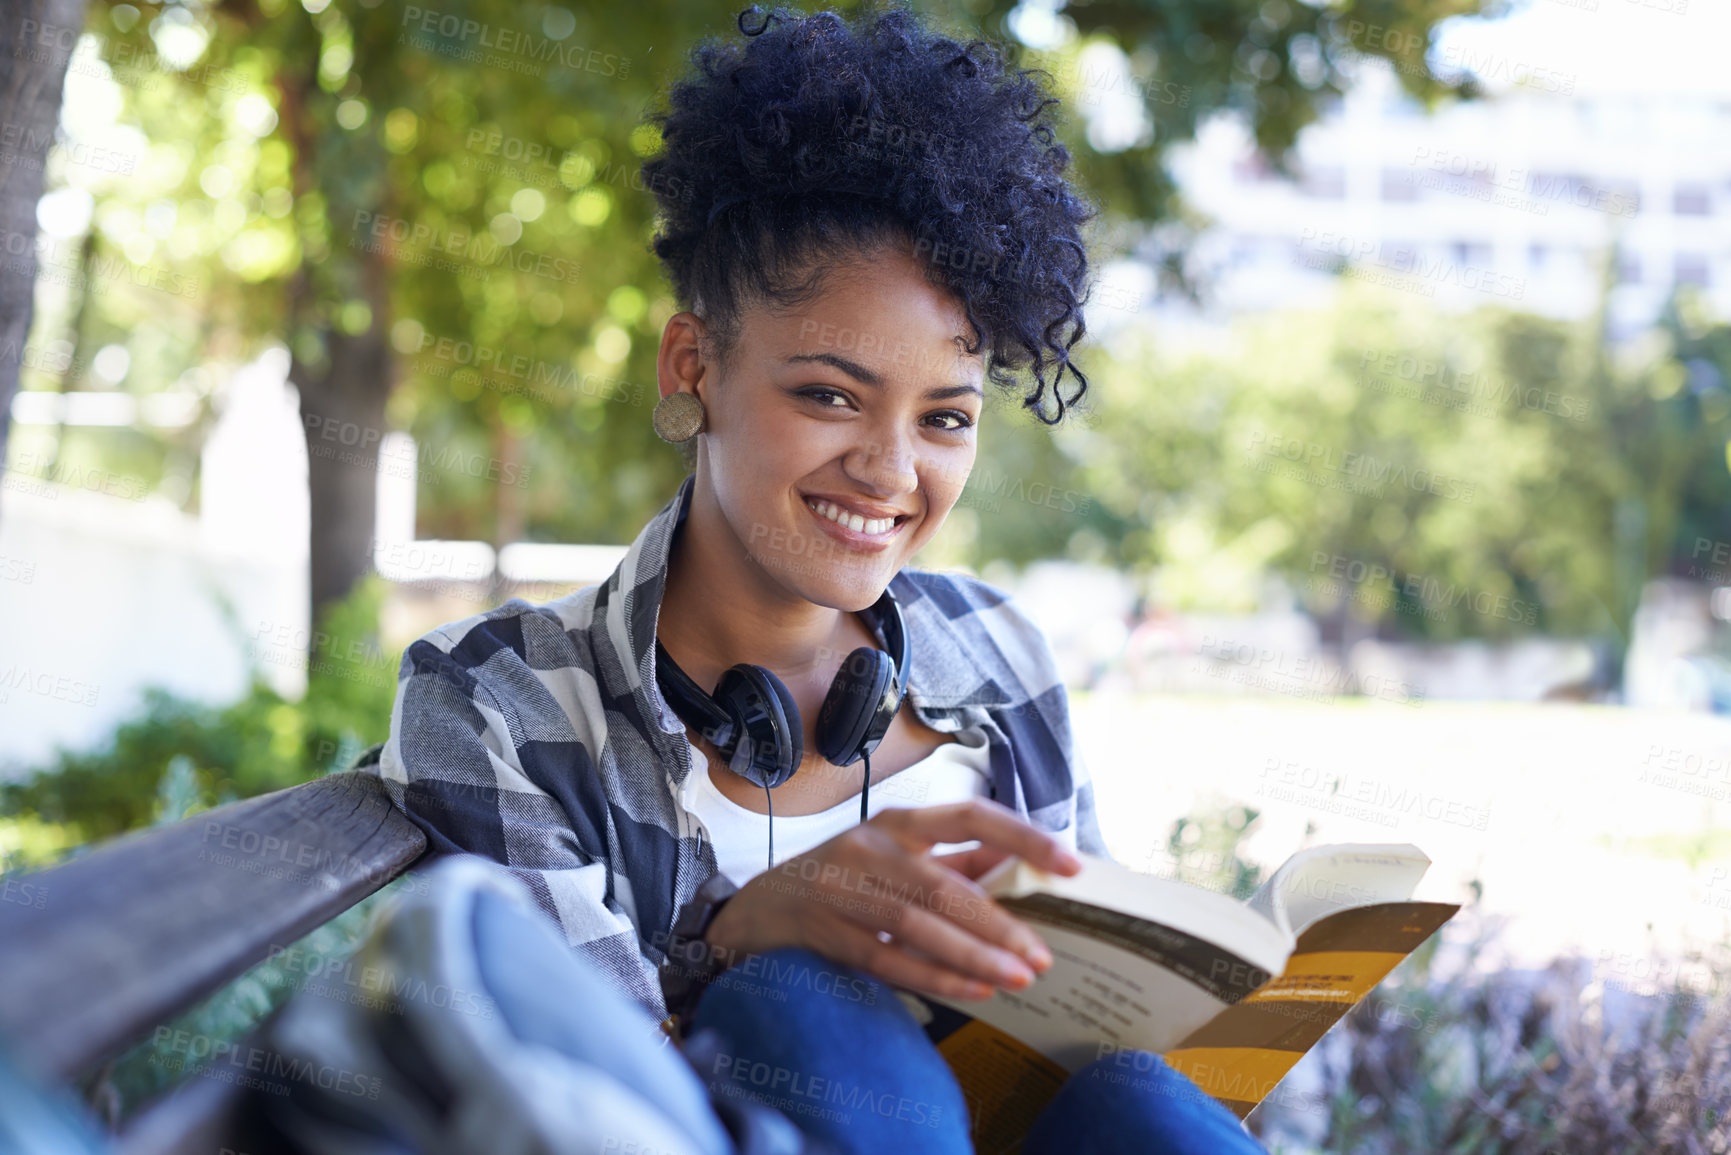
687 362
681 360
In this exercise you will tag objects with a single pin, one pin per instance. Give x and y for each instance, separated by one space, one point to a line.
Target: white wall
101 596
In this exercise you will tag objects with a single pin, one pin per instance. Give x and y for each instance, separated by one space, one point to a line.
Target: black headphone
752 720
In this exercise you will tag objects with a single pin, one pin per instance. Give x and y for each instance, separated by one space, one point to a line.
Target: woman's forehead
889 308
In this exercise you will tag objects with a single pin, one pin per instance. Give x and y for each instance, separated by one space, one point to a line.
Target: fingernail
1015 974
1038 956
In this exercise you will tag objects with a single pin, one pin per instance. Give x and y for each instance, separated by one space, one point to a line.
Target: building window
1628 269
1399 184
1692 269
1624 199
1537 255
1474 254
1691 200
1400 256
1552 185
1325 182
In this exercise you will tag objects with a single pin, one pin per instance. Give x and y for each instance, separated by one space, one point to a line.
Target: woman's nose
886 464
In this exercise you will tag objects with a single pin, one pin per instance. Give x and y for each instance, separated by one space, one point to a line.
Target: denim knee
794 980
831 1048
1142 1073
1133 1103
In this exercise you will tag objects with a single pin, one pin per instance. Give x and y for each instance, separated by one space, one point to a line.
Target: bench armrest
102 948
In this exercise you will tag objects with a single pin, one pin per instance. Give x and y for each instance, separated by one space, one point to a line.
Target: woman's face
843 432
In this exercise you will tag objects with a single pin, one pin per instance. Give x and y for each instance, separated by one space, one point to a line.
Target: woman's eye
827 397
949 421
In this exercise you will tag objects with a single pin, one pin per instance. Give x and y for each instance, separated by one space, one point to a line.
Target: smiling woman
873 228
819 473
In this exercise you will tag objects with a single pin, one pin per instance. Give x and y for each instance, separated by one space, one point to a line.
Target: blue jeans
837 1053
830 1048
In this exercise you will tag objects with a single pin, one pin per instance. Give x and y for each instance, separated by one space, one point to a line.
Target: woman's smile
850 524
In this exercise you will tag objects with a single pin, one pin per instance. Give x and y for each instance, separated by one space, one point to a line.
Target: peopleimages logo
1434 380
504 47
1362 468
453 250
1343 572
1320 249
799 1092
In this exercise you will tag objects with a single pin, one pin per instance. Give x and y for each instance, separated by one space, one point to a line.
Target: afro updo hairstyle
816 141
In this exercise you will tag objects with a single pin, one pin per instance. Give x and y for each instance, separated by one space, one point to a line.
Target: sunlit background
1400 509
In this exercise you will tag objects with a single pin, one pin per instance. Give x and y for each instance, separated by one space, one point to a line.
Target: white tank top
954 772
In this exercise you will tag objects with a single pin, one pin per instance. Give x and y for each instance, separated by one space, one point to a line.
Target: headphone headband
751 719
894 633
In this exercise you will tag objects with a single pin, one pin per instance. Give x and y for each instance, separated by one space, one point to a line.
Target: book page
1317 882
1138 961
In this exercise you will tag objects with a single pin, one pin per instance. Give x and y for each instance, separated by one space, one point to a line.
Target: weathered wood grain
97 952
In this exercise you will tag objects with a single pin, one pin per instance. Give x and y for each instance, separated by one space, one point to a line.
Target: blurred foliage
1517 1063
177 757
1468 458
1202 850
332 171
29 843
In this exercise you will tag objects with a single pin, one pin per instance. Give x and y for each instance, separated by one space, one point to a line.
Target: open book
1230 993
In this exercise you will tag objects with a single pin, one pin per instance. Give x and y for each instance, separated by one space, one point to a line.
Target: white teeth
853 521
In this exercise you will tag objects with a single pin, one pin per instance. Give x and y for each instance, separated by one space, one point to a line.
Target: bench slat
106 947
199 1115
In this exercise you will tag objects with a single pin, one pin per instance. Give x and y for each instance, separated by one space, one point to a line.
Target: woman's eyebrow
869 377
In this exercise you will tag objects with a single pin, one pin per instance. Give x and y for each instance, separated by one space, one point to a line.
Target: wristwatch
691 963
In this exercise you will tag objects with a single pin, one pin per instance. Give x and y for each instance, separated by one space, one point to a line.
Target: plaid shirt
536 736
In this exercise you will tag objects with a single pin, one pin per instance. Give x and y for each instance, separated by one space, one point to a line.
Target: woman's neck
720 608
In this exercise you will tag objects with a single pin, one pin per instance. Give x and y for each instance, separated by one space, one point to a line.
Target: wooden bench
102 949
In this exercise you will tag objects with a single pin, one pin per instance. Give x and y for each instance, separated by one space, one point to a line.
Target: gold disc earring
678 417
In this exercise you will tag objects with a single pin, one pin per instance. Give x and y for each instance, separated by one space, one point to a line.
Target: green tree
438 213
35 74
1424 475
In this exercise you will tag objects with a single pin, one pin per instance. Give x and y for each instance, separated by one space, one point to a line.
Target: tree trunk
342 397
343 412
36 39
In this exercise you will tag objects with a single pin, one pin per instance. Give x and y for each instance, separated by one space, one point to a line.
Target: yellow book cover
1231 993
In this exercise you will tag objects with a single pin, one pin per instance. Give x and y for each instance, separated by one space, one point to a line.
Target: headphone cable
865 787
864 794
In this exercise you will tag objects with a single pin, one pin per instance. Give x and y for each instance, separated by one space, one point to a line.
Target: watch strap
692 963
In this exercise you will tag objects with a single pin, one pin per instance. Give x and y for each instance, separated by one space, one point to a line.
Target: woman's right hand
876 899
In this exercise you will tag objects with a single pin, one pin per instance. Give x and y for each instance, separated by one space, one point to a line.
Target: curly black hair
818 141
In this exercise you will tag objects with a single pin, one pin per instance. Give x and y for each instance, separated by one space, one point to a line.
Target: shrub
260 743
1507 1062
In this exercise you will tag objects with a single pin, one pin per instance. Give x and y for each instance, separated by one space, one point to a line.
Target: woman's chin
845 588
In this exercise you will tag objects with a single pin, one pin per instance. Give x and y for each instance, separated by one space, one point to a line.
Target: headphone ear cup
851 720
766 721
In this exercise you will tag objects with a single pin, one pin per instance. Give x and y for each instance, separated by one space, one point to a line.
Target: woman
866 224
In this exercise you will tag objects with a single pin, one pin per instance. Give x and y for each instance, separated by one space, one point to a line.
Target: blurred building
112 588
1527 199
